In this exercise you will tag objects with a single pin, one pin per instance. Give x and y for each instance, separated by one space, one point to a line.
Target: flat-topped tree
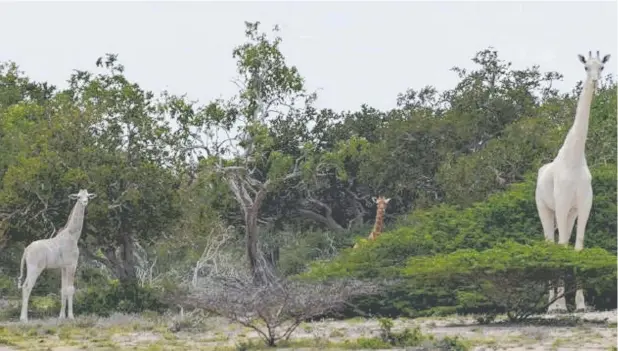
61 252
564 188
247 159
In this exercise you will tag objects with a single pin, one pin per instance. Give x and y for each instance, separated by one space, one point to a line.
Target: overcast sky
354 52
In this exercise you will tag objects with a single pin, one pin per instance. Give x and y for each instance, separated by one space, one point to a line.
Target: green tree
510 277
526 144
23 104
248 159
127 157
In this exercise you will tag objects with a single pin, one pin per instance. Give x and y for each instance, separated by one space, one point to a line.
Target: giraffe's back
50 253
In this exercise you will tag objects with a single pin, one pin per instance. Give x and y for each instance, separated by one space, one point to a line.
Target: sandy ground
583 331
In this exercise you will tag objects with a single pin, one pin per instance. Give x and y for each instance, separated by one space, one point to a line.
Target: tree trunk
272 258
251 233
4 233
123 267
127 260
251 209
328 220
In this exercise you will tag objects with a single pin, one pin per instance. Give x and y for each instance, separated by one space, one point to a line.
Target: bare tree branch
211 257
103 260
280 304
118 203
43 212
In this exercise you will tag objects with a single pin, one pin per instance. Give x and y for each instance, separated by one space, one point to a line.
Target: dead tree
273 309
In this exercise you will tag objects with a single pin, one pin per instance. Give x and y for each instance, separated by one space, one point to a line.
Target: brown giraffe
381 201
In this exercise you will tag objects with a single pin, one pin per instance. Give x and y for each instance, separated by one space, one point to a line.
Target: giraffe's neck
377 227
75 223
573 151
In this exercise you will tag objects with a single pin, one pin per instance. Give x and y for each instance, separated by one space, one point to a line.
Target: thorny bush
276 307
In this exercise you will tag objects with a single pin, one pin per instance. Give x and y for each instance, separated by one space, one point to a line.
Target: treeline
290 182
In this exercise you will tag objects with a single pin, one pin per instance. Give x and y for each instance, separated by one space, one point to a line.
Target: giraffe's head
82 196
381 201
594 65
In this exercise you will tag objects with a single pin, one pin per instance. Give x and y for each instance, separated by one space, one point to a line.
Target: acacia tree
240 150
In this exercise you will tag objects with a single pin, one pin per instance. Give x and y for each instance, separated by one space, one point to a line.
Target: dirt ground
584 331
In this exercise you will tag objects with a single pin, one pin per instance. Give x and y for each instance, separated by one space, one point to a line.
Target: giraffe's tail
21 270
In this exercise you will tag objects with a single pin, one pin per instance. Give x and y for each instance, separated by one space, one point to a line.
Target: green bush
312 245
510 277
116 297
409 338
372 343
38 307
44 306
510 215
7 285
452 343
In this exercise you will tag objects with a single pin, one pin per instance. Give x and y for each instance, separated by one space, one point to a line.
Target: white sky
355 52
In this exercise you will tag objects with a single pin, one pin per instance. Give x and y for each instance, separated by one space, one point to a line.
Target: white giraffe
564 189
61 251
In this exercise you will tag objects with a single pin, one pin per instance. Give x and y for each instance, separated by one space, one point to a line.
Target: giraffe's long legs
31 277
70 289
63 293
584 207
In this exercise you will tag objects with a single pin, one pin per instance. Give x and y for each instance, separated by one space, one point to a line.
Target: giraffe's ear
605 58
373 198
582 58
73 196
92 196
387 200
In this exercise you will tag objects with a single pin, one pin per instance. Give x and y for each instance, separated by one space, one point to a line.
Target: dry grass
128 332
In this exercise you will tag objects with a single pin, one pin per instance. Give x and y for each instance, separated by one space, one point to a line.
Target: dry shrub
273 306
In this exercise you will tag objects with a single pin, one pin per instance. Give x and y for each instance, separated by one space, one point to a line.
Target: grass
155 332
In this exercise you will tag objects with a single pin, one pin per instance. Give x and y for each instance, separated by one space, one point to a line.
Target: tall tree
124 148
247 159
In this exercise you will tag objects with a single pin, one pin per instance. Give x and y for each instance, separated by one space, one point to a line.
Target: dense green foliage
509 277
294 182
510 215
